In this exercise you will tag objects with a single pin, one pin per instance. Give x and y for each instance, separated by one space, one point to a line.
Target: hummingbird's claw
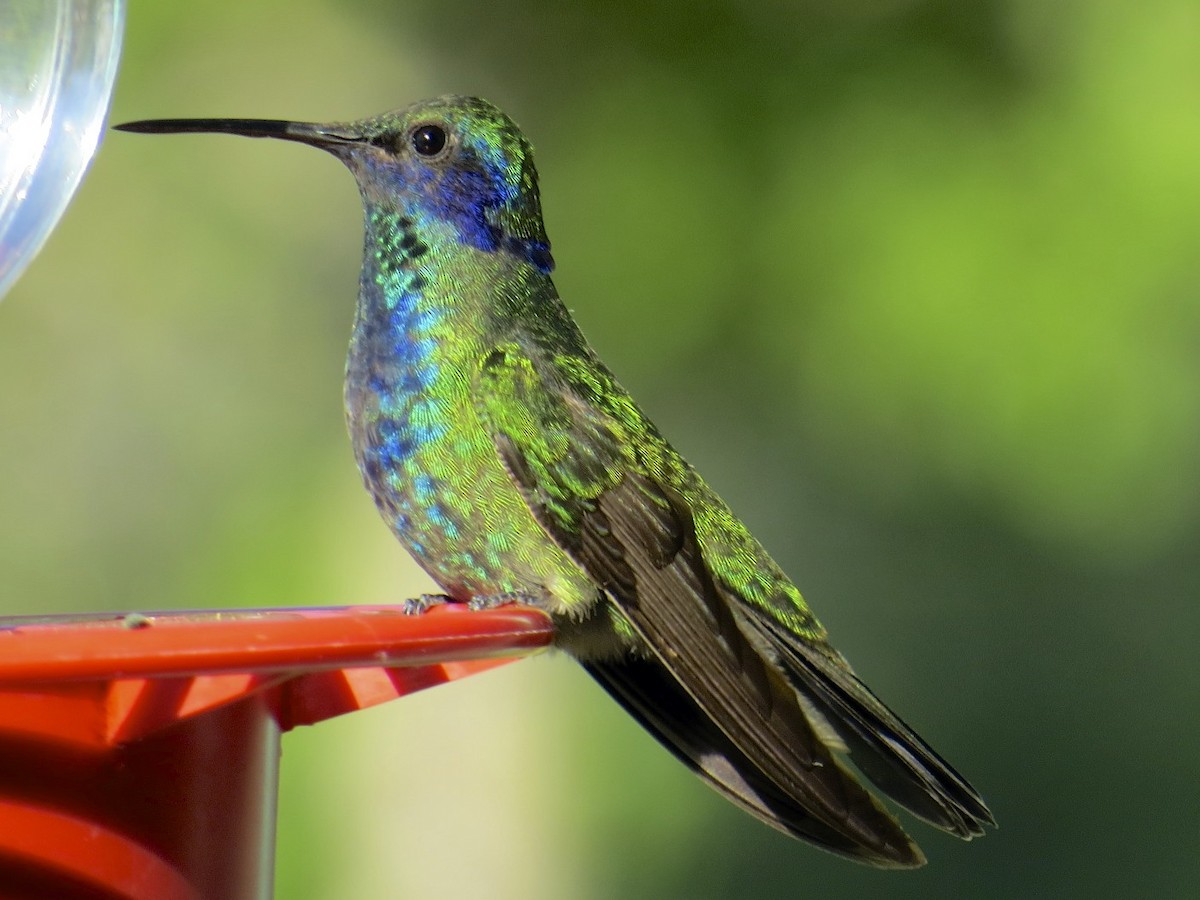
424 603
493 601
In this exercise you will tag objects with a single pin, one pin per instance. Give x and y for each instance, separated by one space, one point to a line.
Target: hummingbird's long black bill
324 136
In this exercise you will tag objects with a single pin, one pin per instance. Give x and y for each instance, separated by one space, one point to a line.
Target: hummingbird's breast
422 449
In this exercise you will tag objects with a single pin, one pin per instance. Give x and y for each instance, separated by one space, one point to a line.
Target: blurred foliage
915 285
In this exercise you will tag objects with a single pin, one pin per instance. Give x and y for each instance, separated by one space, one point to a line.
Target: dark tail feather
884 748
652 696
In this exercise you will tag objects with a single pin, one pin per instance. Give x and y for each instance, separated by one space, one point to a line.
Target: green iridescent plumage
512 465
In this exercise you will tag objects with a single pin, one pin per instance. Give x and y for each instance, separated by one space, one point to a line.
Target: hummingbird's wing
597 476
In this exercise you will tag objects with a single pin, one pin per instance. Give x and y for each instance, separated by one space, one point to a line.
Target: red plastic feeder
139 754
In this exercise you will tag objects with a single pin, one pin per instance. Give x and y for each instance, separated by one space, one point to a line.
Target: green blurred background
913 283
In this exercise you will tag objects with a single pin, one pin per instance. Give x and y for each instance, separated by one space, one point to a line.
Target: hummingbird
512 465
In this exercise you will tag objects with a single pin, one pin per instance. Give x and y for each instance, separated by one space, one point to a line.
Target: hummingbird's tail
881 745
652 695
763 713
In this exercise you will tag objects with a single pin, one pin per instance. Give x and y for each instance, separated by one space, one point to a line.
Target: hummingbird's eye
428 140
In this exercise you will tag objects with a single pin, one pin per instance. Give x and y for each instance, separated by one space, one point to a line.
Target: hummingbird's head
457 161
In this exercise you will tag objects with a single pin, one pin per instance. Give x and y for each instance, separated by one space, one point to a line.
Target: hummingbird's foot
424 603
492 601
